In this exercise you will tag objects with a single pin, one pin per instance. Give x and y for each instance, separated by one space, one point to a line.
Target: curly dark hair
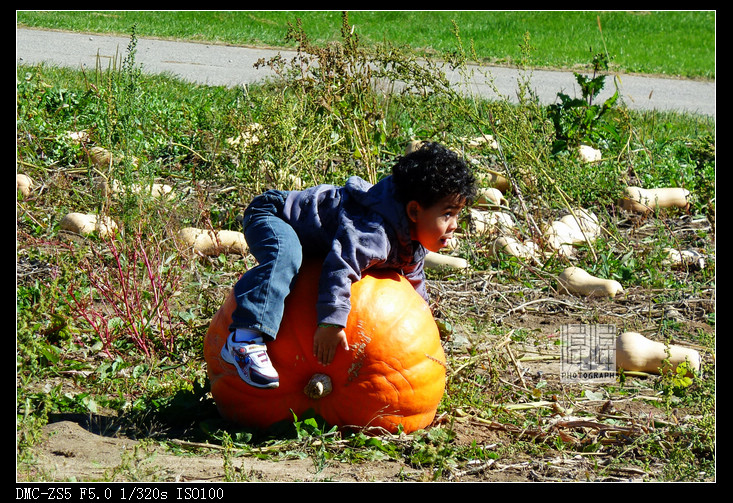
432 172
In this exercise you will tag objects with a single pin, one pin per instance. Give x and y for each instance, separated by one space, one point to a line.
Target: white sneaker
252 363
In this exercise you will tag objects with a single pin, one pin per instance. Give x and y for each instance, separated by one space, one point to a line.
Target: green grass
636 41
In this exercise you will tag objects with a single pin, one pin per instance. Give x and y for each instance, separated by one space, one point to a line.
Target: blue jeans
260 293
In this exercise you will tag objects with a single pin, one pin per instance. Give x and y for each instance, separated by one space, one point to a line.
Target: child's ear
413 210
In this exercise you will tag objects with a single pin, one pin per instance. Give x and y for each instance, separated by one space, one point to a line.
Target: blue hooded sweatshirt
356 227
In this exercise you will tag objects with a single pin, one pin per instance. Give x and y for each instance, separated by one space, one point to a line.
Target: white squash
279 177
584 224
634 352
84 224
561 237
103 158
490 221
413 145
479 140
210 243
589 154
23 183
645 200
514 247
155 190
435 260
79 137
690 258
490 196
577 281
495 179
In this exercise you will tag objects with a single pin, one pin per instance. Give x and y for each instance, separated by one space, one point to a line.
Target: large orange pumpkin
393 373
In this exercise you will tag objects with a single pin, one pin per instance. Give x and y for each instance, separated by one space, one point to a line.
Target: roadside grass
322 127
637 41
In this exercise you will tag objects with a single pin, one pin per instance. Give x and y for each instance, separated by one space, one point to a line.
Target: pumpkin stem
318 386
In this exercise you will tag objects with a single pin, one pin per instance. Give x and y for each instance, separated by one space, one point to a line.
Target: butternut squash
560 237
514 247
23 184
641 200
494 179
589 154
634 352
84 224
155 190
490 196
435 260
210 243
479 140
413 145
583 223
103 158
689 258
576 281
487 222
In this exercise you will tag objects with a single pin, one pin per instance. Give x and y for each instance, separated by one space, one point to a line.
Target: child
355 227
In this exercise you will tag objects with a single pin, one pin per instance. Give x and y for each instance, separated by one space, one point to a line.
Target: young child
357 227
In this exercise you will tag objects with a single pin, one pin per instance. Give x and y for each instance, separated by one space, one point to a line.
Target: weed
130 289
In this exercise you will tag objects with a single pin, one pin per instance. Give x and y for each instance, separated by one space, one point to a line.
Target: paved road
230 66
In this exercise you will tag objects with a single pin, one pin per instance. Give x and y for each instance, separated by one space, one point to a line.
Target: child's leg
261 291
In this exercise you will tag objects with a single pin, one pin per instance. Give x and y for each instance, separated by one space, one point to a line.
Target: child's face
433 226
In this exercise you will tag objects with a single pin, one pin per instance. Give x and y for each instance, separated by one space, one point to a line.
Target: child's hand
325 342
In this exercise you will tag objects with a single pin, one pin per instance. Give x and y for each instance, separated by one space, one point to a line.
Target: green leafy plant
582 120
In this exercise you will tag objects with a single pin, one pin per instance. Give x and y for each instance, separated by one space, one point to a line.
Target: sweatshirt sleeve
357 245
416 277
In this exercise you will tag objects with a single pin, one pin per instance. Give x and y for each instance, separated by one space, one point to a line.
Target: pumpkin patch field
594 237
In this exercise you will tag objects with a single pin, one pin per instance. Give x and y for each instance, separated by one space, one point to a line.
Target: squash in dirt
634 352
23 184
646 200
435 260
393 373
576 281
213 243
84 224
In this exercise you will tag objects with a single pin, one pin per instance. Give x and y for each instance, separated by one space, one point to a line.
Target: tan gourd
212 243
490 221
495 179
690 258
155 190
103 158
577 281
435 260
483 139
583 223
490 196
561 237
634 352
413 145
645 200
84 224
514 247
23 183
589 154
